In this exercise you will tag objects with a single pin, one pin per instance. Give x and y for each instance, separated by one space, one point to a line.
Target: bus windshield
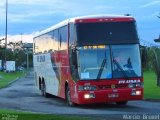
126 61
106 62
90 62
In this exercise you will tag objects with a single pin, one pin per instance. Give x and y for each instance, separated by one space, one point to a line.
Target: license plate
113 95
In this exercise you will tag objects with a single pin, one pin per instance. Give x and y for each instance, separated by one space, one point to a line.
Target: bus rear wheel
43 90
68 97
122 103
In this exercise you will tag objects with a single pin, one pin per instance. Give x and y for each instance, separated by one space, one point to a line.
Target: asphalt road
22 95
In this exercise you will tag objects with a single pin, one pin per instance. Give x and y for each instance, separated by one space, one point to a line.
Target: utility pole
27 60
6 30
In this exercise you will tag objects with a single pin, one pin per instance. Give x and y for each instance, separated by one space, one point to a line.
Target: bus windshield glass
126 61
106 33
91 60
106 62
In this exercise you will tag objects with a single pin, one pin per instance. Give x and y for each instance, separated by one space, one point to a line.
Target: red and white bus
91 59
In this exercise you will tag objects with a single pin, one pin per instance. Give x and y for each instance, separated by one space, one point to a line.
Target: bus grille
103 87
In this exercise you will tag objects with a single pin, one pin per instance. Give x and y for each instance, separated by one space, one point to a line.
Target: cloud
103 7
34 8
2 13
34 2
26 38
40 8
19 10
2 3
30 10
150 4
27 17
149 17
2 10
156 13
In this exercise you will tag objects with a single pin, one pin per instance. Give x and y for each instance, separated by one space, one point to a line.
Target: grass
151 90
9 77
10 114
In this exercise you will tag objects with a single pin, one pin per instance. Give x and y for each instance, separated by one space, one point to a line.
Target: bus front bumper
109 96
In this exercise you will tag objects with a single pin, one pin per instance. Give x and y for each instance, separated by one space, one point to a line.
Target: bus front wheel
68 97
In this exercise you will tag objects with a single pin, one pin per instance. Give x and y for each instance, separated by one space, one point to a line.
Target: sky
26 17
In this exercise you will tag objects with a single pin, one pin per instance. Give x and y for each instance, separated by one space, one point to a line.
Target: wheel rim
69 97
43 89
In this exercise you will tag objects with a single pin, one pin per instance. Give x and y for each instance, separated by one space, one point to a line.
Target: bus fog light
87 96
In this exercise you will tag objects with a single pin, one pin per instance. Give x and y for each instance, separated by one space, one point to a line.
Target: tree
144 57
15 45
151 60
16 52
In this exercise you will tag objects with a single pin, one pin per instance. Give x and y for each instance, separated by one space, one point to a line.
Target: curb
13 81
18 78
152 100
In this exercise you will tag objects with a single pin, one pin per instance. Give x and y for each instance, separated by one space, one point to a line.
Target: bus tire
122 103
43 90
68 97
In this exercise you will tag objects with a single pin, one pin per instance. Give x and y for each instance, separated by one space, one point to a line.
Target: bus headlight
86 88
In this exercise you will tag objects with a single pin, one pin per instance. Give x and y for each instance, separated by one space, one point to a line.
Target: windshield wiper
119 67
101 68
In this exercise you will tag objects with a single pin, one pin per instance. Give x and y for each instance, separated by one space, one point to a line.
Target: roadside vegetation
16 115
151 65
6 78
150 57
151 90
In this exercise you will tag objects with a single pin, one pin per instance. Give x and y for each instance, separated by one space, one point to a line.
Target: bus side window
55 39
63 37
71 32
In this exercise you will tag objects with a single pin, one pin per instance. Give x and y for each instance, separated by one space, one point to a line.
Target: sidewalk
152 100
30 74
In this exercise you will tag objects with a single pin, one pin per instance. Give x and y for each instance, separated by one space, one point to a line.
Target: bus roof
92 18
